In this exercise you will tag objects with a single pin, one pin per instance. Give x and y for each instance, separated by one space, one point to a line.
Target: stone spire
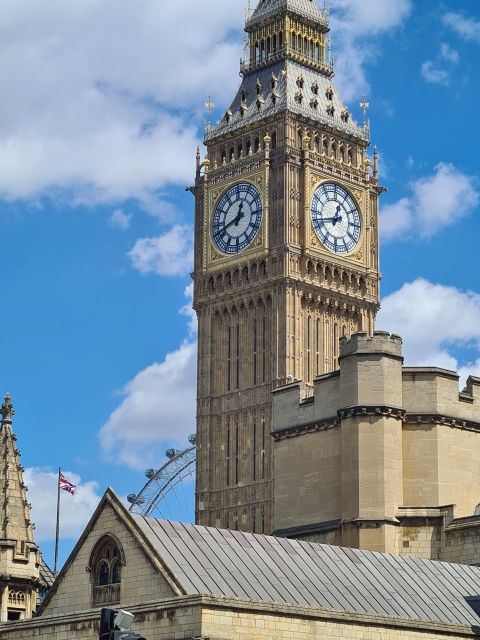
15 513
308 9
19 555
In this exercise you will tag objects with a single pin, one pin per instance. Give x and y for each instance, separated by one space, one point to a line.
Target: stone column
371 439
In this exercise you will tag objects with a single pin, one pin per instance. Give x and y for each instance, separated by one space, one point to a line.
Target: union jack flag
66 485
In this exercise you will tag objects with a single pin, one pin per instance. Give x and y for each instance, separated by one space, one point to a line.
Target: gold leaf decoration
259 241
358 255
357 194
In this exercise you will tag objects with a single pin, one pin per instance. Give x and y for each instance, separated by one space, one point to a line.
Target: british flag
66 485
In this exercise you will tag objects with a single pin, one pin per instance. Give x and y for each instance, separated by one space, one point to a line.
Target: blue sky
101 113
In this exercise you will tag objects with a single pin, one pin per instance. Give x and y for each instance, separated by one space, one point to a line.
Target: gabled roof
262 569
132 525
266 9
277 570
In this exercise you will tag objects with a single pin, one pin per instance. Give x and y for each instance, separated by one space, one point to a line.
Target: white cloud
354 23
76 510
427 316
438 71
466 28
120 219
158 406
100 97
170 254
434 75
449 54
436 201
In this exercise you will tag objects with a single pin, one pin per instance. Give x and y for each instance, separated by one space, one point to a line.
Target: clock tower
286 252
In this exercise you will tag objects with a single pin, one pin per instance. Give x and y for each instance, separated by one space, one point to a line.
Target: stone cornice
209 603
440 419
371 410
302 429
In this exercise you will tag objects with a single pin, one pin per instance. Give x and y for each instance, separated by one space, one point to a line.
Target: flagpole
57 537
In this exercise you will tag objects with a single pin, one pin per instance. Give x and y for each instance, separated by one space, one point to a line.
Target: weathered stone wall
186 618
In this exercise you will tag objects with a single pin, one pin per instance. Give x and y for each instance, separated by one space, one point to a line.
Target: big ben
286 252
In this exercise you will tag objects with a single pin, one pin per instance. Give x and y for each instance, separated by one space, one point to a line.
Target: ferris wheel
169 491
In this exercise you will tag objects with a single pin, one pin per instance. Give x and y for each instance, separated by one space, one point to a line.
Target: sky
102 110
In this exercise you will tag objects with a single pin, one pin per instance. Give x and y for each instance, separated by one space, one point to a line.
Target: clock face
237 218
336 218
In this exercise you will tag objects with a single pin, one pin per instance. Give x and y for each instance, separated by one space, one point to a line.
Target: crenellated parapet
372 454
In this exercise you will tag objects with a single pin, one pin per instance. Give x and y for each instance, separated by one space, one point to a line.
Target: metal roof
278 570
309 100
266 9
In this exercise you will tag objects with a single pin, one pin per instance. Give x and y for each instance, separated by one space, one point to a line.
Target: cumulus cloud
120 219
91 109
76 509
354 23
157 407
426 316
436 201
467 28
438 71
169 254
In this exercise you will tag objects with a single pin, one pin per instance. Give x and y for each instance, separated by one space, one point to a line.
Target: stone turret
19 555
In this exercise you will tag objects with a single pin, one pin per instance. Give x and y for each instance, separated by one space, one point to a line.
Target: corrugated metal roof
279 570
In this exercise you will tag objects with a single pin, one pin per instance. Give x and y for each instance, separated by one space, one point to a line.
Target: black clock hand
235 221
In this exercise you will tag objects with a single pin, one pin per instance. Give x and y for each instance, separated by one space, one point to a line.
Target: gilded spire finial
365 105
209 106
7 410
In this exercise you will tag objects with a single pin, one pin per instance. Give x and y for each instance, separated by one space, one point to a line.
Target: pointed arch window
106 565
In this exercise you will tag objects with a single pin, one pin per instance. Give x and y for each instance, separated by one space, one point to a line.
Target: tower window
255 352
106 571
254 447
309 346
229 360
264 349
329 94
331 110
263 447
300 82
274 140
237 451
228 453
237 368
315 88
317 347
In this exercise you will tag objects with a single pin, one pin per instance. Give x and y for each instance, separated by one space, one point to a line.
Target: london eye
169 490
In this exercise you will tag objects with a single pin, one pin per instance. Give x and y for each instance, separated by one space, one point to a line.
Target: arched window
106 570
274 139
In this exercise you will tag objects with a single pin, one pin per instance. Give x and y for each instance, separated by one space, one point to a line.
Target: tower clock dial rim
336 218
236 218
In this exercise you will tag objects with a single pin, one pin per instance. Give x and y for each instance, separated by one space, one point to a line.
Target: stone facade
277 308
379 456
163 611
216 619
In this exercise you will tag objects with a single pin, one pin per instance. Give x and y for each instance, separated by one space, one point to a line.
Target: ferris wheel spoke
164 493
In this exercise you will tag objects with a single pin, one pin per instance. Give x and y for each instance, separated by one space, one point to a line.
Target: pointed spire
15 521
6 410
